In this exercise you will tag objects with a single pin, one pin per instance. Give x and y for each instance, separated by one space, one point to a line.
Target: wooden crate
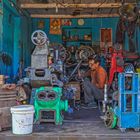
76 85
7 100
5 118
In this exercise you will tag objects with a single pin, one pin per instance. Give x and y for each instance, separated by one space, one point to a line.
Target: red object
130 55
114 66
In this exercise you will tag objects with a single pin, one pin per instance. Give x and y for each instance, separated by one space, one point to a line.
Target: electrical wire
61 3
110 10
102 3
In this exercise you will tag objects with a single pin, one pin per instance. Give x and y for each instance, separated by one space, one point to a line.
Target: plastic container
22 119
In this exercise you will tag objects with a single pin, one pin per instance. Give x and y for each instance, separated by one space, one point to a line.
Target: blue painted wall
16 31
95 24
15 35
8 37
1 27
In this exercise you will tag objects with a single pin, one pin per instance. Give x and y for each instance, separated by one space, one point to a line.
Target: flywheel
110 119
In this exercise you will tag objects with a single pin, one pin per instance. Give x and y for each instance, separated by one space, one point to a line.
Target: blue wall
16 31
1 27
95 24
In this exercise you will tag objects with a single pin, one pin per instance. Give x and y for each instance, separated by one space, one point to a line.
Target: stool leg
99 105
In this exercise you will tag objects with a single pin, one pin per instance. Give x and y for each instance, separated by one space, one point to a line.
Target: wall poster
55 26
105 37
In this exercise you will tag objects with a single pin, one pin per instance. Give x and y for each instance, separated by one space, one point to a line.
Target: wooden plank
54 5
70 16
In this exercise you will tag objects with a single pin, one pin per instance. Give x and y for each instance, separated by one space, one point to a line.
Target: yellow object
138 70
24 102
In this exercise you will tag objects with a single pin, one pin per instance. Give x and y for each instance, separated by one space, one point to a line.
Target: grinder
49 106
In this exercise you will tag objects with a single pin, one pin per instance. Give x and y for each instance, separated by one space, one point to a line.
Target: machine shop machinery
48 101
126 112
81 59
39 73
47 87
119 65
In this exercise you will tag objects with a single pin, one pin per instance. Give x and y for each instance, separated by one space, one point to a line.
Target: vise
49 106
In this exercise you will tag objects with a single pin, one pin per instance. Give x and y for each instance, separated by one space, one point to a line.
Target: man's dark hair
96 58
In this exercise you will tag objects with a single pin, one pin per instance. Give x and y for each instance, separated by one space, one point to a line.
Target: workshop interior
46 50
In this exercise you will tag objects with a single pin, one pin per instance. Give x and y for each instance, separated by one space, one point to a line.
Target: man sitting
94 89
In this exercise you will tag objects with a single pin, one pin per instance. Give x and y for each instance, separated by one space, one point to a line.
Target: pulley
39 38
84 52
110 119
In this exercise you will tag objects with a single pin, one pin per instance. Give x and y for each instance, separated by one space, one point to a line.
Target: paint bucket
22 119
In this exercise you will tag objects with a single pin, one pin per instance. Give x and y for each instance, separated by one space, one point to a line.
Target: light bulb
56 9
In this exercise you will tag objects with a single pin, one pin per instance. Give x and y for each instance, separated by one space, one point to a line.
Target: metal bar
54 5
71 16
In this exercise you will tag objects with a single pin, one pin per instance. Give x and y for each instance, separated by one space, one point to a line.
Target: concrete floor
87 127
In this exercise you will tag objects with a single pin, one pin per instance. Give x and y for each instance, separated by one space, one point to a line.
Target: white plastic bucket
22 119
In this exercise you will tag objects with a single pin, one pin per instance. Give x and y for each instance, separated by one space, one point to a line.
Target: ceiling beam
54 5
70 16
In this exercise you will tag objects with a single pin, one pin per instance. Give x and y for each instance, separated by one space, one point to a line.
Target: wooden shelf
77 40
77 35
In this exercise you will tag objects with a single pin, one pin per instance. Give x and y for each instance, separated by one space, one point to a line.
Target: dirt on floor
83 124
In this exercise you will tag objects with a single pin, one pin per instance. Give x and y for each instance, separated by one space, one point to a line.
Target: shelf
73 28
77 35
77 40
